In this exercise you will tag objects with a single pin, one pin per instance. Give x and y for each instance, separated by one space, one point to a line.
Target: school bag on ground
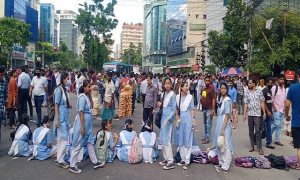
262 163
245 162
277 162
136 150
200 157
292 162
101 151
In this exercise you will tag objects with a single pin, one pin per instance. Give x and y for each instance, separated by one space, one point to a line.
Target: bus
117 67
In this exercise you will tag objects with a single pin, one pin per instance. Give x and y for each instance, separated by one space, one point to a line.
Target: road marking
3 164
14 158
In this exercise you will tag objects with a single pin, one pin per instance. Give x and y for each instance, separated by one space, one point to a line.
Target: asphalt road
19 168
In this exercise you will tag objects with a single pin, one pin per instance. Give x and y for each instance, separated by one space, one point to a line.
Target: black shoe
270 146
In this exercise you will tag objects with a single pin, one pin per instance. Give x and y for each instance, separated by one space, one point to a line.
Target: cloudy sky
125 11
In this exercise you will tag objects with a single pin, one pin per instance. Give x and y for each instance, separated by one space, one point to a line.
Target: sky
129 11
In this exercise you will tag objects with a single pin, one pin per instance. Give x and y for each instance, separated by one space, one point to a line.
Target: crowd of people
169 101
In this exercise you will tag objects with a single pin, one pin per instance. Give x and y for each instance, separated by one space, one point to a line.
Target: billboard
176 26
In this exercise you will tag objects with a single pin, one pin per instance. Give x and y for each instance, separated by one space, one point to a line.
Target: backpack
292 162
136 150
200 157
192 86
101 151
262 163
245 162
277 162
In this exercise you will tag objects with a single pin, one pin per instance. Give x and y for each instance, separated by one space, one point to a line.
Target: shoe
98 165
205 142
261 152
169 166
218 166
251 149
203 139
181 163
278 143
75 170
185 167
163 163
270 146
221 170
62 165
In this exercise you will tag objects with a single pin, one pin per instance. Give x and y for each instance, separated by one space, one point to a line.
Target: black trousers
147 115
11 116
133 102
144 97
30 106
23 95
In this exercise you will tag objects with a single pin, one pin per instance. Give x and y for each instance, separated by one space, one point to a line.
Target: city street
20 168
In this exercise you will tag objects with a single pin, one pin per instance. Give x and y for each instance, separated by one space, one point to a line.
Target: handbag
159 113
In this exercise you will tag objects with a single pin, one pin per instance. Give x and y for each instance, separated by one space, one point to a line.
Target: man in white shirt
58 76
144 88
39 87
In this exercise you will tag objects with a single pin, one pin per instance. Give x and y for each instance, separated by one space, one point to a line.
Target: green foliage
12 31
226 49
283 55
211 69
95 21
133 55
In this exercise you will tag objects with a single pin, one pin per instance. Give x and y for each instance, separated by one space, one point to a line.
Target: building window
225 2
204 16
197 15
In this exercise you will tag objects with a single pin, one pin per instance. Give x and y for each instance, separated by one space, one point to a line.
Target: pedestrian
3 97
185 125
117 93
167 118
39 87
126 136
83 130
24 82
268 100
42 144
279 97
139 82
58 76
177 86
148 139
106 143
30 100
12 99
261 85
51 82
293 99
208 101
254 103
144 88
286 124
108 108
232 92
160 87
200 86
22 138
240 94
150 101
216 85
223 129
61 126
77 76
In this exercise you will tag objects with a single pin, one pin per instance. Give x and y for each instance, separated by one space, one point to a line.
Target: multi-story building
26 11
117 54
68 29
131 34
47 21
2 2
186 30
154 43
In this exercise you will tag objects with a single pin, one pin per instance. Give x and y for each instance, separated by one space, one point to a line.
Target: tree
282 55
211 69
96 21
12 31
226 49
133 55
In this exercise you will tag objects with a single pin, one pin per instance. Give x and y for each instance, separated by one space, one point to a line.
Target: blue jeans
207 123
38 101
268 126
277 126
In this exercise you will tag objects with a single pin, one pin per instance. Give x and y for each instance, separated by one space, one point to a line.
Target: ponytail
103 124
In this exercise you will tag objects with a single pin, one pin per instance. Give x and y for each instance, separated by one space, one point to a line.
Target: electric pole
250 38
284 19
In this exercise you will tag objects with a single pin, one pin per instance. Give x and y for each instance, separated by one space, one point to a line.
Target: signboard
290 75
195 67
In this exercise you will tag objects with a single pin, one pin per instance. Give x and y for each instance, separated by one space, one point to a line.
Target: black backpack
277 162
192 86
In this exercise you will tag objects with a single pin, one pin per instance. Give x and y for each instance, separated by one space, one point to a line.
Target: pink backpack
292 162
136 150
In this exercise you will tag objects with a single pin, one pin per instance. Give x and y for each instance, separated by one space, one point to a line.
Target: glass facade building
47 14
154 50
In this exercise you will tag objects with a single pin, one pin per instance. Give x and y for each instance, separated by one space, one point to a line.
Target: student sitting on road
42 148
126 137
148 138
105 143
21 138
